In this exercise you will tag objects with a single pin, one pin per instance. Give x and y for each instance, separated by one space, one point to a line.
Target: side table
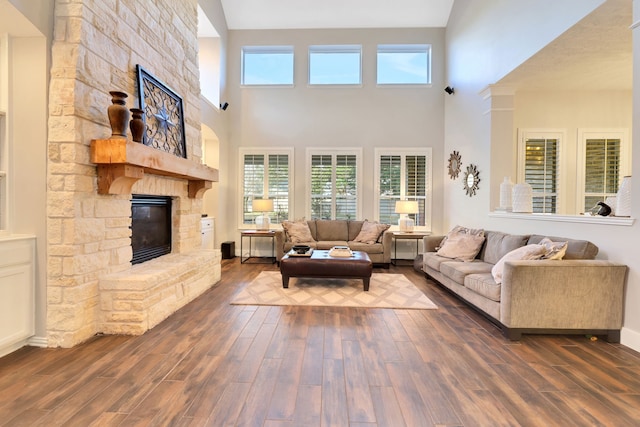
269 234
399 235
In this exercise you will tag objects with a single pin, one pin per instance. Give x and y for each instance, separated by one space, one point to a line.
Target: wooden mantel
121 163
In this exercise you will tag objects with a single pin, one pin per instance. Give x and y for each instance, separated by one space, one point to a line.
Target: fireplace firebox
150 227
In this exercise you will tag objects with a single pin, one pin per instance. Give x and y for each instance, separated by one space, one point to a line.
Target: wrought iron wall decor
163 115
455 162
471 180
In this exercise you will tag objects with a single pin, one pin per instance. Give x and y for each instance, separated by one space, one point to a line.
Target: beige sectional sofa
325 234
575 295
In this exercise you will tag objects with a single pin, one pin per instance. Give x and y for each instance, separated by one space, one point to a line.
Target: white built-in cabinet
17 292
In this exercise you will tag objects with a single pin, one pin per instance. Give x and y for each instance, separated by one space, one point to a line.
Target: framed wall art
163 114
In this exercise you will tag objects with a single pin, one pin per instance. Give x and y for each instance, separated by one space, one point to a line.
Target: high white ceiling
594 54
296 14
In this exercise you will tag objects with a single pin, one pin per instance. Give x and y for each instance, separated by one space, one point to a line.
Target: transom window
267 65
334 183
403 174
335 65
266 174
404 64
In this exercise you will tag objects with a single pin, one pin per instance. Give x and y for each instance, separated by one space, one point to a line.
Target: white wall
484 42
366 116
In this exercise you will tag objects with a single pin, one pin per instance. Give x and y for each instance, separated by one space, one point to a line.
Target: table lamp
262 205
405 207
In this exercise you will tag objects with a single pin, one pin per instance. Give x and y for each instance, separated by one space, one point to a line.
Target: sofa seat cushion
328 244
332 230
499 244
458 270
433 260
370 248
483 284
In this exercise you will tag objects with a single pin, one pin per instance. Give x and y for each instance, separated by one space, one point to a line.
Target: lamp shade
262 205
406 207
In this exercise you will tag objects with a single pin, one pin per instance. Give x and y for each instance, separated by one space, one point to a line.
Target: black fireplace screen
150 227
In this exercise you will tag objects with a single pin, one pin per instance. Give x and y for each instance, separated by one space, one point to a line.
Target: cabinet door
16 304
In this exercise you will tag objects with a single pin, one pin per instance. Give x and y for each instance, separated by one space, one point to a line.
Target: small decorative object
263 221
506 190
623 198
471 180
612 201
602 209
163 115
522 198
118 114
404 208
137 125
455 162
301 249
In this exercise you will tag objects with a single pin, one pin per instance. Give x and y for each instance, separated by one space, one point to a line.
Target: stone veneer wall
97 44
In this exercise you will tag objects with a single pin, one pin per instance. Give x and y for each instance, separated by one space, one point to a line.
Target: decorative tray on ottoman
300 250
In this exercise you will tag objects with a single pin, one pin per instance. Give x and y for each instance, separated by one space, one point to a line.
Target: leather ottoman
321 264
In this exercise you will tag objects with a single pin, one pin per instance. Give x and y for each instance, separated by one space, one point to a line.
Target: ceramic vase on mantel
623 198
522 198
137 124
118 114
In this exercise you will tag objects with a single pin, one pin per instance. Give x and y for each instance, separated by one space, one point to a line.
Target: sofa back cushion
332 230
498 244
576 249
354 229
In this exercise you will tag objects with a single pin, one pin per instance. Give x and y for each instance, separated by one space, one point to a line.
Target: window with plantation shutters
541 171
266 174
603 154
333 183
403 174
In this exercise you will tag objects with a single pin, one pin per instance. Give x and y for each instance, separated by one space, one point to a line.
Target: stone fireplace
92 286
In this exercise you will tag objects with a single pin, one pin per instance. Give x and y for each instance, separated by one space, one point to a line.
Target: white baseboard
38 342
630 338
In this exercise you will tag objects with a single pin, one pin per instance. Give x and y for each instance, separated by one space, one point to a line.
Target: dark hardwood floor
218 364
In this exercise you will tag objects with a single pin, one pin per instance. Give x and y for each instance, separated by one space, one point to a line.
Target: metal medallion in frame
163 115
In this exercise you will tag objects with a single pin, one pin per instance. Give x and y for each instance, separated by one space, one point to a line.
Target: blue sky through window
334 65
403 64
267 65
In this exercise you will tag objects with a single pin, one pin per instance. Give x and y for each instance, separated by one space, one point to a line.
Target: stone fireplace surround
135 298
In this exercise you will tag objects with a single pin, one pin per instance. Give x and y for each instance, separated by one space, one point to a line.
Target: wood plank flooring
216 364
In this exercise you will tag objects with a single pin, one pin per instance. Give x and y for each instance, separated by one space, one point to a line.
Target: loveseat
366 236
571 294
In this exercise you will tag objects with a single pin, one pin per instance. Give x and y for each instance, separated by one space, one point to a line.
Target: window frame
266 152
404 152
600 133
267 49
334 49
404 48
560 136
312 151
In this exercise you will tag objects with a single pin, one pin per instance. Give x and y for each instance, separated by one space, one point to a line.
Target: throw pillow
370 232
533 251
555 250
298 232
459 229
461 246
